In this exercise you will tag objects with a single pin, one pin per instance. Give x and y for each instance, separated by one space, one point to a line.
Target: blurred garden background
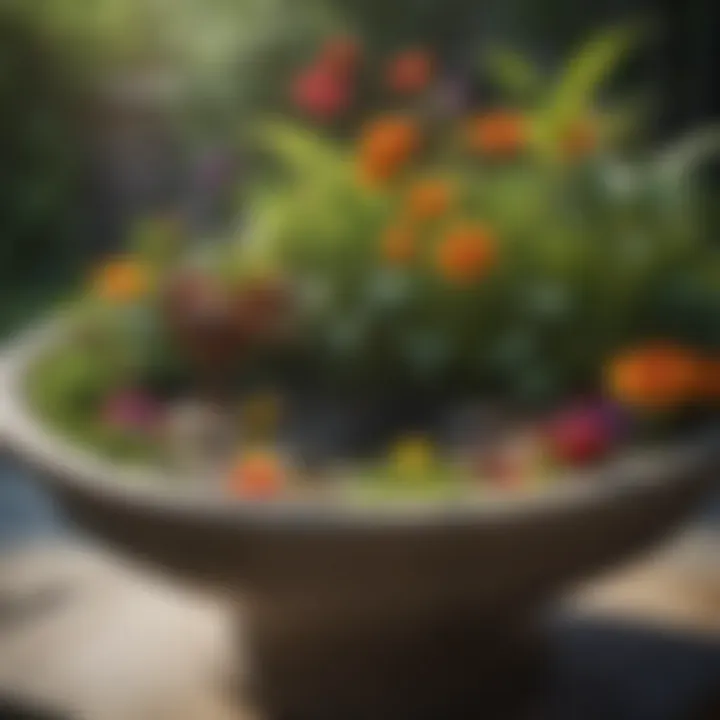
115 109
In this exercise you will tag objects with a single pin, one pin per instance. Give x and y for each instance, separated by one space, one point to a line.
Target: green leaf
591 67
622 123
513 73
303 151
159 240
576 91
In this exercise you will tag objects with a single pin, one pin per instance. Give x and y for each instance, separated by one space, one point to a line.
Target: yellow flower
122 280
413 455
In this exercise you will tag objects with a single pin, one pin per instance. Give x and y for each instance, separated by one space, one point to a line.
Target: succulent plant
214 324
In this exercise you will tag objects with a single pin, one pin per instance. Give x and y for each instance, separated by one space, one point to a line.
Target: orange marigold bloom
466 252
122 280
430 198
386 145
375 172
257 475
398 245
657 376
498 134
710 379
410 71
579 139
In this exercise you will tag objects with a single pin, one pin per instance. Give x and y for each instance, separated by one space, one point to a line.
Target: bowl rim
85 471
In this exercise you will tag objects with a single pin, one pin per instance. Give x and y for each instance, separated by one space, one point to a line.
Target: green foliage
593 252
586 247
39 171
518 78
158 241
67 387
576 92
449 27
211 58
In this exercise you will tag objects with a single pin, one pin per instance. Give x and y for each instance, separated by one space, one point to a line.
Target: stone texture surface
85 635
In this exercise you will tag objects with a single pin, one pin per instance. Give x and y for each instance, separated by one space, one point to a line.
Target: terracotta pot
398 612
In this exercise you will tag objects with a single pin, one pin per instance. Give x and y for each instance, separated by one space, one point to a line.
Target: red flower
580 435
341 54
321 92
410 72
214 324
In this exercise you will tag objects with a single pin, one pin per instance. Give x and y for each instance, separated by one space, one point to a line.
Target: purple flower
587 430
132 410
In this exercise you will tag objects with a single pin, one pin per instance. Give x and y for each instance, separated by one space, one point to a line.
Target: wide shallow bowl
361 611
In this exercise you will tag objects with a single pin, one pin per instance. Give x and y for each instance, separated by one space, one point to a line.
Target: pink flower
581 434
132 410
321 92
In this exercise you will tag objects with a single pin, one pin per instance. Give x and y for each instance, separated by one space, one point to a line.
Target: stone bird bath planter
370 613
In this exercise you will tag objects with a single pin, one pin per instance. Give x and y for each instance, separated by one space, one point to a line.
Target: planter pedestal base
359 615
445 669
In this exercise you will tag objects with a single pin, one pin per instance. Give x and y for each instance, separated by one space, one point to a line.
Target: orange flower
579 139
410 71
122 280
466 252
430 198
373 172
386 145
710 379
398 245
257 475
499 134
656 376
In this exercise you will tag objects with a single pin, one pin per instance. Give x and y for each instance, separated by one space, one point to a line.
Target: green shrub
41 158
